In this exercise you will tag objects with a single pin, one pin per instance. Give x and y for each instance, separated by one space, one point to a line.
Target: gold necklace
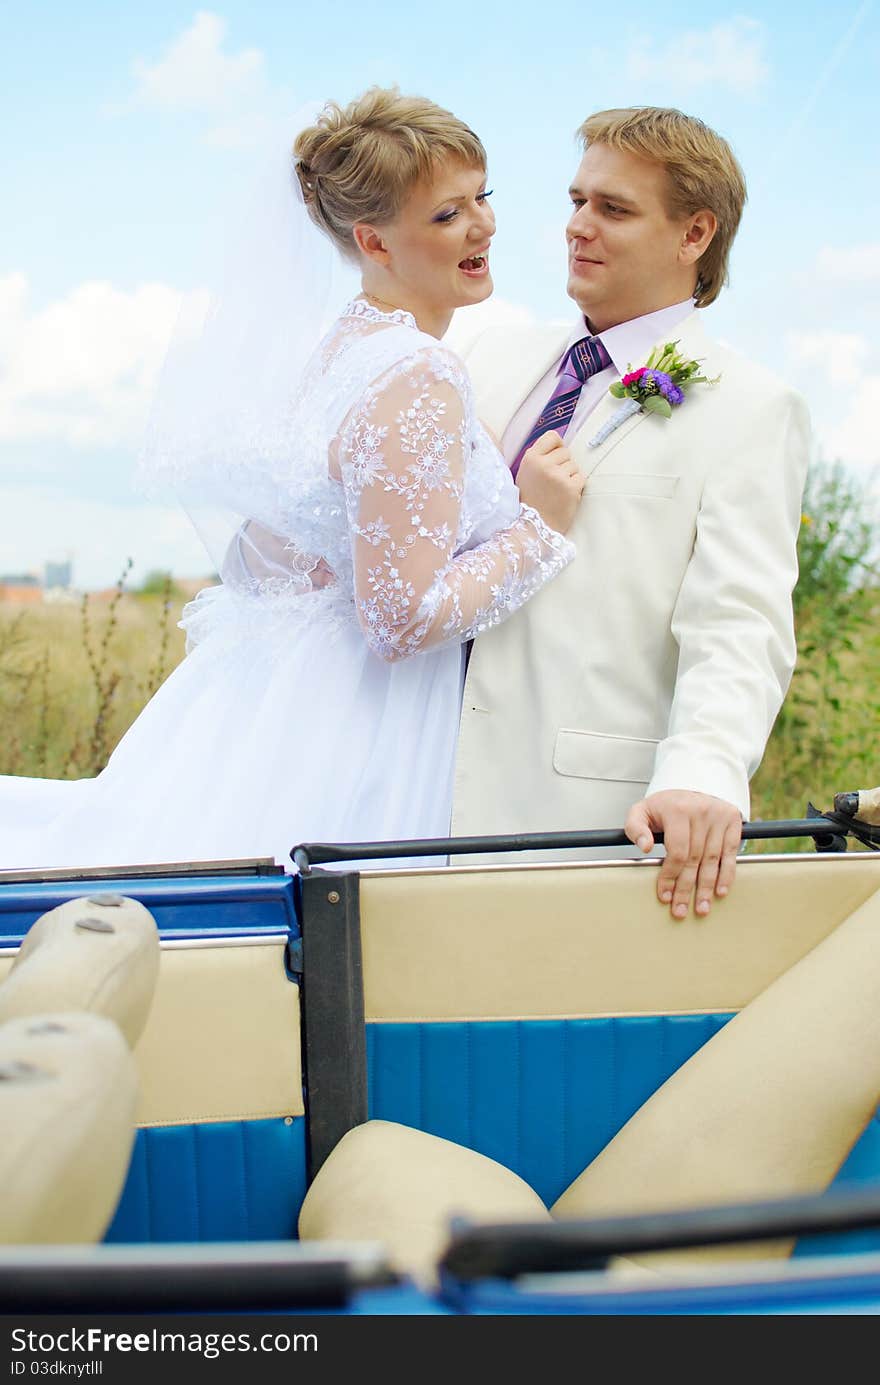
371 297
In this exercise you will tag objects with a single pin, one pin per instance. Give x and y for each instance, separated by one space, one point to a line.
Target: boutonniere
657 387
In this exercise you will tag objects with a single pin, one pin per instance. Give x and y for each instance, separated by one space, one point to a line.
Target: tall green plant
826 736
837 544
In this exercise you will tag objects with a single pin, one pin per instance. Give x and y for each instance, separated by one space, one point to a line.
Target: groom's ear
368 240
697 234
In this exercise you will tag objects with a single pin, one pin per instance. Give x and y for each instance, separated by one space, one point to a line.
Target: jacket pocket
631 483
593 755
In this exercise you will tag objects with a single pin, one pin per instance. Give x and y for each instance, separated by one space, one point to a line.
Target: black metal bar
262 865
506 1250
335 1045
309 854
183 1278
826 842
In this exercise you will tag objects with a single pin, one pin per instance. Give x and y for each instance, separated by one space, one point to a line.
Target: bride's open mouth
475 265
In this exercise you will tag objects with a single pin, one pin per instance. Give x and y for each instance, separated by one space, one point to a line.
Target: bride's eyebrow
453 201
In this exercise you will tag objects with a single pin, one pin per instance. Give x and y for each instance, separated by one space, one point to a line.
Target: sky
126 127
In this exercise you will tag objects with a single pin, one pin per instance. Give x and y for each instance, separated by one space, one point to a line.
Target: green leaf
617 389
656 404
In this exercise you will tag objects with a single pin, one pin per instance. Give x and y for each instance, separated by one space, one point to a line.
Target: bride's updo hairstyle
359 162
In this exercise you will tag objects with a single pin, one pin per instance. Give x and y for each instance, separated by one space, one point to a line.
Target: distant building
19 579
58 574
30 588
21 588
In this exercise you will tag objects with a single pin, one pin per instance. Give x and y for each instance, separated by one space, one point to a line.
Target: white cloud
838 356
194 74
197 74
856 439
848 396
730 54
83 369
98 536
248 130
13 297
851 264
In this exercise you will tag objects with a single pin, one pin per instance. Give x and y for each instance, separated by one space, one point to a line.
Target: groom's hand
701 835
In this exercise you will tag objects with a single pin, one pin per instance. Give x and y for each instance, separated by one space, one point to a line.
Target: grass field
72 682
70 686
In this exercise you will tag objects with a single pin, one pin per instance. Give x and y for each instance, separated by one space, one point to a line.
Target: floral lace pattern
391 492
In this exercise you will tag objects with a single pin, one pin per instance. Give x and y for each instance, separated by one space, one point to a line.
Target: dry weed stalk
105 681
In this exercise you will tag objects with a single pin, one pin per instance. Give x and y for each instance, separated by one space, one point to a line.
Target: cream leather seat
71 1010
770 1106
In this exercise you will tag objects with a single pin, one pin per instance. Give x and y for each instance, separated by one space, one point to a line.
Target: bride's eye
445 217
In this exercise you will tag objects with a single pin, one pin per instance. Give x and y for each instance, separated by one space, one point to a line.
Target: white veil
221 423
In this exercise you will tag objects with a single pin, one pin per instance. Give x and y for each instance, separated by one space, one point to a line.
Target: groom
642 684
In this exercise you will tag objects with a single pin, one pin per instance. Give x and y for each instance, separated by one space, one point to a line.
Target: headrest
390 1183
68 1092
98 953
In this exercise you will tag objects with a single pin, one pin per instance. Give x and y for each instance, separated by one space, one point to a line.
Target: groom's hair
702 171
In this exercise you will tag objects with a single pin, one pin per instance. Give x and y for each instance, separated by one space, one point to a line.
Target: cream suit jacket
660 657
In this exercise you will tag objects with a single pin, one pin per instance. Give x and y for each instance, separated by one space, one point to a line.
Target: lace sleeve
402 460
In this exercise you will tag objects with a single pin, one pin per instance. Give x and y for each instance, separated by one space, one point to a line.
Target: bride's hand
550 482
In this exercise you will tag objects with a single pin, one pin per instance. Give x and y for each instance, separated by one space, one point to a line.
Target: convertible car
486 1034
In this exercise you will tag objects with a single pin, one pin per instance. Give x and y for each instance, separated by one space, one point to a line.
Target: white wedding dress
320 695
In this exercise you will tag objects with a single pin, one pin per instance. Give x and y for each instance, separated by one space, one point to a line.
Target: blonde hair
359 162
702 172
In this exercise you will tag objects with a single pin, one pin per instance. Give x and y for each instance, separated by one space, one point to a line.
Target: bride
376 530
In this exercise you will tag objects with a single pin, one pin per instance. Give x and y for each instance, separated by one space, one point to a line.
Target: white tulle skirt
274 730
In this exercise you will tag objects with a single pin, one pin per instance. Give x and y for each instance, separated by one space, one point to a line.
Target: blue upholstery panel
862 1166
856 1293
229 1181
545 1096
541 1096
201 906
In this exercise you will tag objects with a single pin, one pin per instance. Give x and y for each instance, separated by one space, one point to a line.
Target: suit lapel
693 342
501 392
588 458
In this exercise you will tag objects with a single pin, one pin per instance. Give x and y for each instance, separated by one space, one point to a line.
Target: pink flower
634 377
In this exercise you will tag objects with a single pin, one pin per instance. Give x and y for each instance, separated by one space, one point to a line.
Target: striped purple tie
585 358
